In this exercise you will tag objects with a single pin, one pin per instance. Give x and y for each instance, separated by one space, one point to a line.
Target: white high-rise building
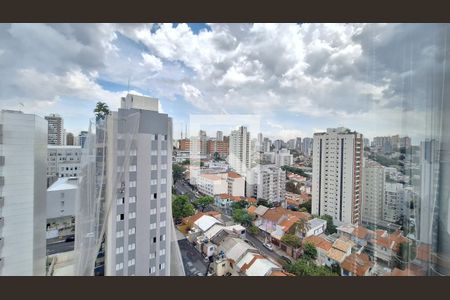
239 154
139 180
307 146
394 204
219 136
374 178
56 132
284 157
267 182
337 175
23 155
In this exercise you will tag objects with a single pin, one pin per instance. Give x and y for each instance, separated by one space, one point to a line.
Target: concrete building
82 138
211 184
278 144
219 147
337 175
373 191
56 135
267 182
139 176
235 184
393 204
239 154
291 144
219 136
298 144
283 157
70 139
23 152
62 161
267 143
61 203
307 146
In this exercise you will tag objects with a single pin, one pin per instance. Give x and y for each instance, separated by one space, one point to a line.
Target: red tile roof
318 242
358 264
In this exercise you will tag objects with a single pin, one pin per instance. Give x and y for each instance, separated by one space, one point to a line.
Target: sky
296 79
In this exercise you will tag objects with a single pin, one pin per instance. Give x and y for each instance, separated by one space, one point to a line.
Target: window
162 237
162 224
132 199
155 195
120 201
152 255
153 211
152 270
133 152
154 152
131 262
120 217
163 180
163 195
132 215
162 266
153 226
164 167
119 250
163 152
119 234
119 266
163 209
154 240
153 181
132 183
154 167
132 168
162 252
131 246
132 231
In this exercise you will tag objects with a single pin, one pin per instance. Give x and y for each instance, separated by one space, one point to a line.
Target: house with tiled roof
356 264
339 251
384 246
322 245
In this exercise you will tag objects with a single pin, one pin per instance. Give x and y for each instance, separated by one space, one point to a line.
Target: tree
239 205
202 202
301 226
309 251
331 228
306 205
101 110
216 156
181 208
177 172
254 230
186 162
242 217
292 187
305 267
264 202
291 240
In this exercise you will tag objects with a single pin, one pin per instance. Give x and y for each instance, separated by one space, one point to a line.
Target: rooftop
357 264
64 184
205 222
318 242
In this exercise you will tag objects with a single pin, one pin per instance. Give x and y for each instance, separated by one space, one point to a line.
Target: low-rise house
357 233
253 264
228 255
315 226
225 200
322 245
384 246
296 177
356 264
339 251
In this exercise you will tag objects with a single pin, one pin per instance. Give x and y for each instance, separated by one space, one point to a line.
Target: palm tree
301 226
101 110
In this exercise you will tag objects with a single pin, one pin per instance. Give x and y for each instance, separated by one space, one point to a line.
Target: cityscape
131 183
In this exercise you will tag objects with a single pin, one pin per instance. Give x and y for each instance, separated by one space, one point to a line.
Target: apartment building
219 147
337 175
23 152
239 153
374 177
62 161
139 175
56 134
283 157
267 182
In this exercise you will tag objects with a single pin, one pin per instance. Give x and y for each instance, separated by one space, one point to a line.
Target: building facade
62 161
23 152
139 176
239 153
267 182
337 175
373 192
56 135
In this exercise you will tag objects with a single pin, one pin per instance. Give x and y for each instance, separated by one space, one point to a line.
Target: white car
268 246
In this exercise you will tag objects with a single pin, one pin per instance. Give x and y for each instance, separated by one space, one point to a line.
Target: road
182 188
60 247
266 252
193 261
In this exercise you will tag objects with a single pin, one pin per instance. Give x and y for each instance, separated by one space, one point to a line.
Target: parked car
70 238
268 246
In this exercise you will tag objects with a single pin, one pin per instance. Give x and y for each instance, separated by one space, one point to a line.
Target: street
60 247
260 246
182 188
193 261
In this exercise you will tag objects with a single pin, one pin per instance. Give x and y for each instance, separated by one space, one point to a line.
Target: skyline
324 76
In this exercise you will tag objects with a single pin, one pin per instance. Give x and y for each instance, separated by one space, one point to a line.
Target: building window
131 262
132 215
162 252
153 211
162 266
153 181
152 270
162 237
132 231
119 250
120 201
119 266
132 183
131 247
163 209
162 224
133 152
119 234
132 168
153 226
164 167
132 199
120 217
154 167
163 180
